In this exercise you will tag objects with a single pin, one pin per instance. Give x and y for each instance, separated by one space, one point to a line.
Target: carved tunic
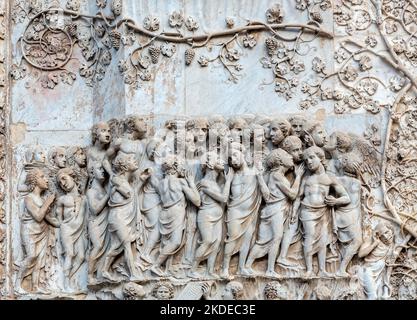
242 209
34 237
172 217
72 226
210 217
122 215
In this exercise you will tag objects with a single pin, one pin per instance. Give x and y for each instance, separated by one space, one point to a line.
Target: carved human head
163 291
36 177
152 148
294 146
199 128
136 126
237 125
133 291
38 155
265 122
65 178
275 291
347 163
124 163
211 160
219 133
314 158
77 156
411 119
297 125
58 157
384 232
317 132
175 125
342 141
279 157
173 164
280 128
101 133
236 155
233 291
96 171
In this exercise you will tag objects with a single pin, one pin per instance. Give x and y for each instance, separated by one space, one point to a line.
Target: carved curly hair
167 285
274 158
237 289
121 162
274 291
32 178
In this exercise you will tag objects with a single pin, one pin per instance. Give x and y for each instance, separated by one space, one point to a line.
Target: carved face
386 235
297 126
312 161
42 181
39 156
258 137
66 182
103 133
236 159
287 161
276 134
296 151
319 136
267 130
60 159
163 293
80 158
99 172
200 133
141 128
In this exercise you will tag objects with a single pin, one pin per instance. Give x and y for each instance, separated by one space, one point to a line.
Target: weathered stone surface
208 149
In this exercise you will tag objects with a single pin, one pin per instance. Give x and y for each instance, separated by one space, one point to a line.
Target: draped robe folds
316 226
34 237
150 207
210 219
242 210
122 217
97 231
73 229
275 212
372 274
348 222
172 218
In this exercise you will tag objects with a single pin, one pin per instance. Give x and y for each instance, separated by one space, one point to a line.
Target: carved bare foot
286 263
246 272
272 274
41 291
110 277
146 258
342 274
19 290
225 274
309 274
158 271
194 274
213 275
324 274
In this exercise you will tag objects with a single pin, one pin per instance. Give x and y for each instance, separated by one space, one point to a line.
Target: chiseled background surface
63 116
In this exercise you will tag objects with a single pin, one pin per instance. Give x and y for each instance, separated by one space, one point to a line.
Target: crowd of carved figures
203 198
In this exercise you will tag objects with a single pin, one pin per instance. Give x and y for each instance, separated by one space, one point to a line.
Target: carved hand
331 201
301 170
50 199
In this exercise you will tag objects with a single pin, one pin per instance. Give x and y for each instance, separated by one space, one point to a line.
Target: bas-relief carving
127 227
242 207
